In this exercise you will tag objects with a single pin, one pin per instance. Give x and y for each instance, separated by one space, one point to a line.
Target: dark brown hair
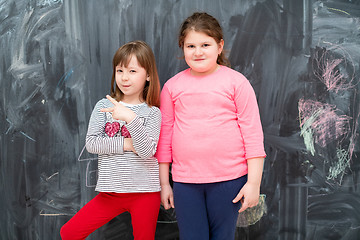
205 23
146 59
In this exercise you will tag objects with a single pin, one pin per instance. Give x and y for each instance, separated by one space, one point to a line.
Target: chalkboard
302 58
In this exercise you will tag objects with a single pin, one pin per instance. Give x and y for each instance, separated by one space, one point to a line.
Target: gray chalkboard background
302 58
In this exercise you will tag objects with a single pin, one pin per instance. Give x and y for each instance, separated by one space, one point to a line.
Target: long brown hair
205 23
146 59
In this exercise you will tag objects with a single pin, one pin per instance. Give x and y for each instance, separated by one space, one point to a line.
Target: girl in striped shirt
124 130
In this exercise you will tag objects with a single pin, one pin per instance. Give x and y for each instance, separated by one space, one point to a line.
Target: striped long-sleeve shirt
124 171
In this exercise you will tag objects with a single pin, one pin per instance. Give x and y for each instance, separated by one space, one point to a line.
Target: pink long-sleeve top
210 126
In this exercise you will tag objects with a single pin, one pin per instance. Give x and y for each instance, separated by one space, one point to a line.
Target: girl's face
131 81
201 52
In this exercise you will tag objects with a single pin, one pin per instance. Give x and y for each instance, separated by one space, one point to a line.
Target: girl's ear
148 78
221 46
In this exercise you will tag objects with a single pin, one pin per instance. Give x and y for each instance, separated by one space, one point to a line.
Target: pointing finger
111 100
111 109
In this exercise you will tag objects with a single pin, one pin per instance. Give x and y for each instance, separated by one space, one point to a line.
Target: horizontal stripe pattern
122 171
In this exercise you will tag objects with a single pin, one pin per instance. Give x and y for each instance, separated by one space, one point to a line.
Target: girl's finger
111 99
107 109
238 197
172 202
244 206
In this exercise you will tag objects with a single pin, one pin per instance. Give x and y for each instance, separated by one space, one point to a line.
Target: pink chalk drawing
322 122
332 78
334 72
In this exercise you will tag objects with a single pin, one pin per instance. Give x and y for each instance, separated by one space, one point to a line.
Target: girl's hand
248 195
128 145
167 197
119 111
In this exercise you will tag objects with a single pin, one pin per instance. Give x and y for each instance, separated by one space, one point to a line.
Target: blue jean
206 211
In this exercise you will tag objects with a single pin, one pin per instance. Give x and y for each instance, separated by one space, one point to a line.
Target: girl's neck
200 74
132 101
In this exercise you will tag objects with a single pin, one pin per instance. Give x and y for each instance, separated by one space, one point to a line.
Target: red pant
143 207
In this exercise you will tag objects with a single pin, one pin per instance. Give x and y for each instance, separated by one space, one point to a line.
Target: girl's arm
144 135
96 140
167 197
250 192
164 150
163 153
251 130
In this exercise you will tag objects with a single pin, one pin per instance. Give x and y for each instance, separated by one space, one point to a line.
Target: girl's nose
198 51
124 76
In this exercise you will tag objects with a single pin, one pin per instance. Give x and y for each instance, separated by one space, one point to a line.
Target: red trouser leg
143 207
97 212
144 213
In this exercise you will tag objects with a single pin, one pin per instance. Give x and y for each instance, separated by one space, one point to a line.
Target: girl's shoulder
104 102
234 76
232 72
154 109
177 77
151 109
146 111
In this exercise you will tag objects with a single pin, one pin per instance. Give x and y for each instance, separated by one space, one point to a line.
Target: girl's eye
133 71
206 45
119 70
190 46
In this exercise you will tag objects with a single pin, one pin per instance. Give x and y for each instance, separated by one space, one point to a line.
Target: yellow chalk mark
47 179
339 10
52 214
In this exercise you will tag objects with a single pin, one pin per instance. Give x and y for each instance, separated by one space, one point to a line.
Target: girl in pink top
211 135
